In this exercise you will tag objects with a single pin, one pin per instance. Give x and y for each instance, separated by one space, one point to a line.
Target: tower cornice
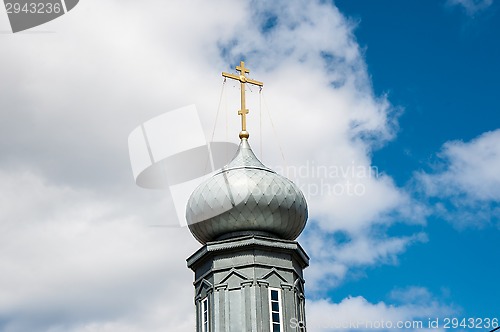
250 242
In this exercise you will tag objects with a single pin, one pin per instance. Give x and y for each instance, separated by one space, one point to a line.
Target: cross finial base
244 134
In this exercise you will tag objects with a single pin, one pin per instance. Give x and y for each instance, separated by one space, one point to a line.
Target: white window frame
205 328
280 308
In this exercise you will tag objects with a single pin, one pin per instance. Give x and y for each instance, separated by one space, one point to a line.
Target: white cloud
70 258
75 250
466 182
333 255
412 312
470 168
471 7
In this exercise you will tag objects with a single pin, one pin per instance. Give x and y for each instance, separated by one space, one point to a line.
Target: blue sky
436 62
441 66
409 88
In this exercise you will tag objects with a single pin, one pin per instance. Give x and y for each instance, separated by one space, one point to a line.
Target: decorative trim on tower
242 271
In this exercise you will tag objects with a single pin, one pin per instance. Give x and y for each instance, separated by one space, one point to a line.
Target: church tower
248 275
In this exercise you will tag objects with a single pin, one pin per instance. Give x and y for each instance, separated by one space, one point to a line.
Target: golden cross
243 79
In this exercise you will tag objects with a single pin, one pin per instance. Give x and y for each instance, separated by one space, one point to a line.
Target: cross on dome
243 80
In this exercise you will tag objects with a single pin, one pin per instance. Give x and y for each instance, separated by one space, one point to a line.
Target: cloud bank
471 7
464 188
415 306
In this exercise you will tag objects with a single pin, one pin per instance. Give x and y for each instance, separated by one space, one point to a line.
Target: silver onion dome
245 197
